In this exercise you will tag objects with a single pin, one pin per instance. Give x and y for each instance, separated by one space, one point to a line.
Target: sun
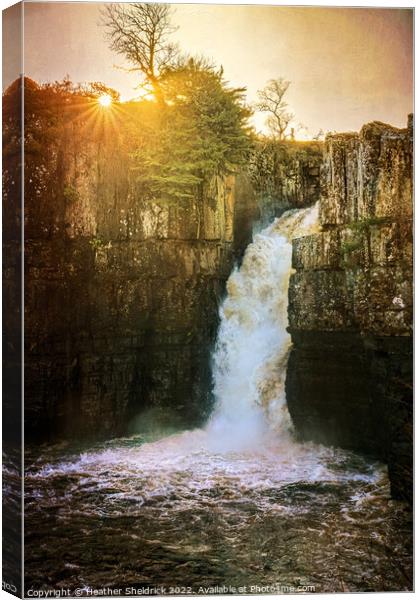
105 100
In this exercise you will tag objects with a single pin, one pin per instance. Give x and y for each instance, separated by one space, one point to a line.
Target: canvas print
207 299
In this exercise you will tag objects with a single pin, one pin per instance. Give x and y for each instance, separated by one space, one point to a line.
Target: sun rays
97 113
105 100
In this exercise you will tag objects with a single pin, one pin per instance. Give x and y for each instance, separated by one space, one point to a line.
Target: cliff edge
349 379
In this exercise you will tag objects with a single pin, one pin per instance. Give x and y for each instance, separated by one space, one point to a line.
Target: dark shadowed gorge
123 290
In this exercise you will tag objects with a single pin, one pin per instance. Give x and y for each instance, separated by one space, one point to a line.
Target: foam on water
184 470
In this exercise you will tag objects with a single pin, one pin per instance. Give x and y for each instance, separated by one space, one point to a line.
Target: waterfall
252 347
217 506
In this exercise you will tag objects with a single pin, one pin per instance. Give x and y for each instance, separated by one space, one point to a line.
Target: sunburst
105 100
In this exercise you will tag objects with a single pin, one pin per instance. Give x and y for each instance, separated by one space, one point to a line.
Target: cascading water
238 504
253 344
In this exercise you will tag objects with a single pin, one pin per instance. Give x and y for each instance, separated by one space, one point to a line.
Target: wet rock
349 379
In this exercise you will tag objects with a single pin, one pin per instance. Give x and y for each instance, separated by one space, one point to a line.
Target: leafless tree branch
140 33
271 100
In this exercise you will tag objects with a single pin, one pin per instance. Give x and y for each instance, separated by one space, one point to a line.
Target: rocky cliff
285 175
349 379
121 290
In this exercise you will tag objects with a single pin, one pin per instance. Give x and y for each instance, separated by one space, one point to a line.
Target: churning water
253 344
236 506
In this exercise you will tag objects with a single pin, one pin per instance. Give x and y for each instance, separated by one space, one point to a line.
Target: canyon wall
349 379
122 291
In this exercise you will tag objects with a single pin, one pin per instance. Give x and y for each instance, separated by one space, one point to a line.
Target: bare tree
320 135
271 100
140 33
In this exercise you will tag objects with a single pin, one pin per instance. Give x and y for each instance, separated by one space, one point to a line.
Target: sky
346 66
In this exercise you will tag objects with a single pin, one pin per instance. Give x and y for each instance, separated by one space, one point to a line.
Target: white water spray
253 345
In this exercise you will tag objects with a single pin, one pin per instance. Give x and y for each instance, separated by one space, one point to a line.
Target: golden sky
347 66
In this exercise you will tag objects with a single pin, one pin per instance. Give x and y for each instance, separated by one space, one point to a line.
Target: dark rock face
285 175
121 291
349 379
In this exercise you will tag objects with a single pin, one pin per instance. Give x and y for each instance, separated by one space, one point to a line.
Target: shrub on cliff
200 131
199 128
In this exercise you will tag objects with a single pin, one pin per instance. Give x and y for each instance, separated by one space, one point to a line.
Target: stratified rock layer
121 290
349 378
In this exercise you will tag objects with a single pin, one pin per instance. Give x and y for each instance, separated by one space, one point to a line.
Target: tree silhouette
271 100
